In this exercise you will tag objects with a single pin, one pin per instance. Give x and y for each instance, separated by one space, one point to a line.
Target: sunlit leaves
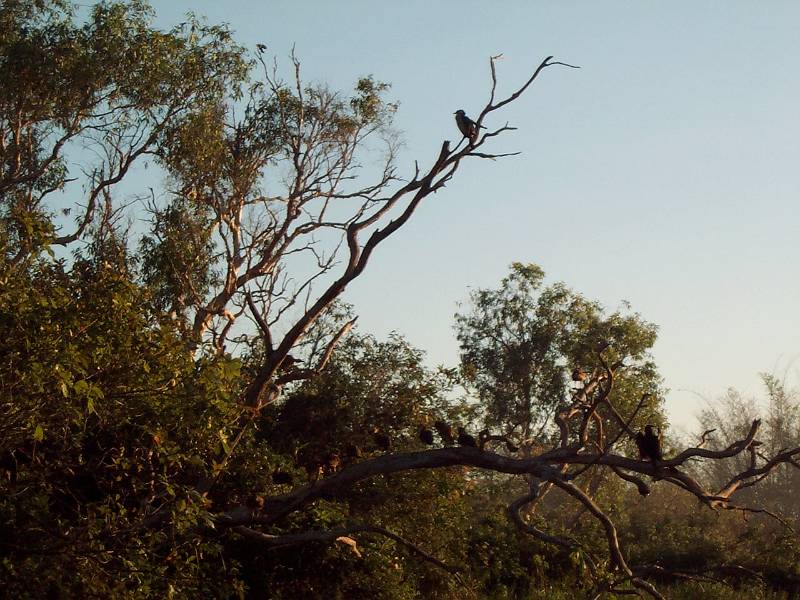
111 84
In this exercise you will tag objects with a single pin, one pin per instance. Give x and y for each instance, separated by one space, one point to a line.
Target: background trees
779 412
524 347
188 410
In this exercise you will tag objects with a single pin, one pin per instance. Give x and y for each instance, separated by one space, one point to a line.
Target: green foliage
112 84
122 451
101 410
177 257
370 385
521 341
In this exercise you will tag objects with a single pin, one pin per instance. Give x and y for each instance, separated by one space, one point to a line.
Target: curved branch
738 481
732 450
513 511
617 559
641 486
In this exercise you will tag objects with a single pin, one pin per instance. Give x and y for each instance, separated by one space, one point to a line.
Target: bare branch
301 374
262 324
617 559
704 437
732 450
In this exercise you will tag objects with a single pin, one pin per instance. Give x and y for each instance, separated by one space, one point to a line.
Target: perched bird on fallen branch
383 441
426 435
649 444
483 438
445 432
332 462
282 478
465 439
352 451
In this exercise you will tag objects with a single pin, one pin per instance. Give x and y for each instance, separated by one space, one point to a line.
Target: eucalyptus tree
82 102
527 348
138 385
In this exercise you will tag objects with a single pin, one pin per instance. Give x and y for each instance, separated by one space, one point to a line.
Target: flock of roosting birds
647 442
381 442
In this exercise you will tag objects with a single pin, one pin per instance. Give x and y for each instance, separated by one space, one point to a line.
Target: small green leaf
38 433
90 406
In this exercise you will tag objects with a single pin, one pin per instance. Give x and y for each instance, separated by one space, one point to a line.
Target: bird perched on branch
352 451
332 462
483 438
467 127
445 432
289 363
649 444
465 439
383 441
426 435
282 478
602 346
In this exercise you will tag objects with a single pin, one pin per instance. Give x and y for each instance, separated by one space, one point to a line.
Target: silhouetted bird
511 447
483 436
426 435
282 478
332 461
445 432
467 127
465 439
261 47
382 440
352 451
649 444
578 374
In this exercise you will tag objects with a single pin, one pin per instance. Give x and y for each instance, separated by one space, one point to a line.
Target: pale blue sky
665 172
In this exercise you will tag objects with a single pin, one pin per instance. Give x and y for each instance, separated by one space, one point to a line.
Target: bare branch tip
556 62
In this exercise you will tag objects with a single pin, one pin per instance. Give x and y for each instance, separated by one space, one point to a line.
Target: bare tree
314 146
